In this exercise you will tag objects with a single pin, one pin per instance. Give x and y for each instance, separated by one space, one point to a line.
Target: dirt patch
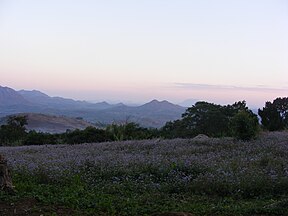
201 138
31 206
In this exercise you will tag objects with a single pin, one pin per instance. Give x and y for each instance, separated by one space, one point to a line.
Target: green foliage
148 189
129 131
208 118
244 125
205 118
114 132
17 121
14 134
274 116
39 138
14 131
88 135
173 129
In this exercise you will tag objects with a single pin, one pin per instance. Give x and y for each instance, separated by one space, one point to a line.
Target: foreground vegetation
210 176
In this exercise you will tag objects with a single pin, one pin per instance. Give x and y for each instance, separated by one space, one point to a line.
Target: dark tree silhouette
274 116
213 120
14 130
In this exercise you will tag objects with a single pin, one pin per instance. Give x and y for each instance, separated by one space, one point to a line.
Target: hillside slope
51 124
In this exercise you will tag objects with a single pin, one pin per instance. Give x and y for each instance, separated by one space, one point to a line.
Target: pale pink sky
220 51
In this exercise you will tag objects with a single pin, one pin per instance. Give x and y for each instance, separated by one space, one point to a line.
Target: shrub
88 135
244 125
39 138
129 131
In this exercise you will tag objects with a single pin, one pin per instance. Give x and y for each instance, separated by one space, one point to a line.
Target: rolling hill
51 124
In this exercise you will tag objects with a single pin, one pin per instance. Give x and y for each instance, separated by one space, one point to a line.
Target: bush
39 138
88 135
129 131
244 125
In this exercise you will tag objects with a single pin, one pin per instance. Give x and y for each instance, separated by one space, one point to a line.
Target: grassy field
203 177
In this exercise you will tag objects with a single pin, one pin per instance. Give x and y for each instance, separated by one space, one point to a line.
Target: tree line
213 120
14 133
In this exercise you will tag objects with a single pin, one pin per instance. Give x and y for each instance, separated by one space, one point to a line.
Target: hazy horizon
217 51
185 103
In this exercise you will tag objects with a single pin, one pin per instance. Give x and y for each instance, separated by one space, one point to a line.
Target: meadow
213 176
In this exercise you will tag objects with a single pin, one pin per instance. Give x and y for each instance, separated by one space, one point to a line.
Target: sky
135 51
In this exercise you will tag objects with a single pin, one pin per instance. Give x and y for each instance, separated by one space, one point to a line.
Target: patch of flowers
214 166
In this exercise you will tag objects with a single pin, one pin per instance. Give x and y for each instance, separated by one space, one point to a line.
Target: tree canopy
213 120
274 116
14 130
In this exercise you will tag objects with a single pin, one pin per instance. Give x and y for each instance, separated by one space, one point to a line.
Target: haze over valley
151 114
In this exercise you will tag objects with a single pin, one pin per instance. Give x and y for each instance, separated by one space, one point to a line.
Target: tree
39 138
174 129
281 105
129 131
274 116
244 125
205 118
88 135
17 121
14 131
232 110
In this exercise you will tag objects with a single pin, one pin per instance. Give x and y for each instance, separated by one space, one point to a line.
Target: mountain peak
154 101
33 93
9 96
157 102
160 105
7 89
152 114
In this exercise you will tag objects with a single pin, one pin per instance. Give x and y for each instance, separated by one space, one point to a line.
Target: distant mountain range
152 114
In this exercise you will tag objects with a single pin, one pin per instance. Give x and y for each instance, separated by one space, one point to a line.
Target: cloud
228 87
